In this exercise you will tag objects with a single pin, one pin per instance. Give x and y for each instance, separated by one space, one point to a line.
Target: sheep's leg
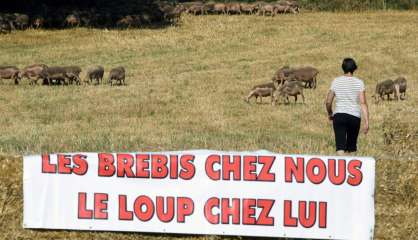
303 97
250 96
296 98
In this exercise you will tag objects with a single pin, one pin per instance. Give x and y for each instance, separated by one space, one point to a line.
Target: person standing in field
350 108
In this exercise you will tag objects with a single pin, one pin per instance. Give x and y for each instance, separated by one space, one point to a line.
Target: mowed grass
185 91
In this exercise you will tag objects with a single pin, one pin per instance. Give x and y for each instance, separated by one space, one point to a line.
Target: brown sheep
261 90
117 74
386 87
248 8
10 72
219 8
265 9
280 8
21 21
126 22
59 75
38 22
94 73
75 71
34 72
196 8
281 75
5 27
72 20
293 6
289 88
400 85
307 75
233 8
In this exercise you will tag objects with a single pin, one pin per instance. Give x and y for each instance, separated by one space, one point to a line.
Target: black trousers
346 129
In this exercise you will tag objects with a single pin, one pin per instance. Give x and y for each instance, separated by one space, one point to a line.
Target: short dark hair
349 65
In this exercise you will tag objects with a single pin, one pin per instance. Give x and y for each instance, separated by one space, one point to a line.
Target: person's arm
328 103
364 111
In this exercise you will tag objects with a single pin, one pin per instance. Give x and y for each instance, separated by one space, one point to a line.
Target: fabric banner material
202 192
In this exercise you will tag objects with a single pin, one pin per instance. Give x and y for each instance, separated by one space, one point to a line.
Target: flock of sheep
258 7
57 75
286 81
289 81
163 11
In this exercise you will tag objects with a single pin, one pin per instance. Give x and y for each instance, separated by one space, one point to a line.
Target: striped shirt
347 95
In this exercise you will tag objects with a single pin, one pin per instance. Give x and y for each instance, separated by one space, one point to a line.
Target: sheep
293 6
219 8
281 75
400 85
261 90
266 9
386 87
5 26
38 22
61 75
248 8
75 71
94 73
233 8
129 21
34 72
307 75
10 72
289 88
196 8
280 8
117 74
72 20
21 21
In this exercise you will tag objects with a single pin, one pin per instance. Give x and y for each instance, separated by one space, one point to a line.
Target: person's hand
366 128
331 117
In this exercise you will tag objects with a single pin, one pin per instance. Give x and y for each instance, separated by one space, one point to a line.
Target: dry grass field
185 91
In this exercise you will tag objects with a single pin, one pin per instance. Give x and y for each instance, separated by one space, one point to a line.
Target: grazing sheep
117 74
293 6
197 8
21 21
280 8
5 27
289 88
75 71
400 85
261 90
386 87
248 8
60 75
38 22
129 21
307 75
9 72
265 9
281 75
172 14
219 8
233 8
72 20
94 73
34 72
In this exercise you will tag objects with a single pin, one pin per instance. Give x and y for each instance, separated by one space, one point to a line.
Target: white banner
202 192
